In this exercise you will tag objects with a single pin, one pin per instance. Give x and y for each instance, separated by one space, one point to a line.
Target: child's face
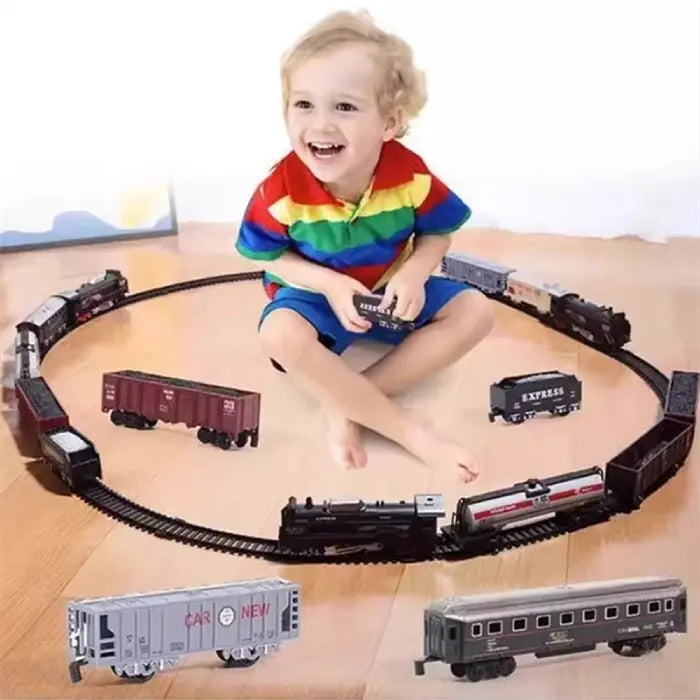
333 103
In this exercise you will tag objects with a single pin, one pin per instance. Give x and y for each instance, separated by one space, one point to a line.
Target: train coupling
74 669
419 664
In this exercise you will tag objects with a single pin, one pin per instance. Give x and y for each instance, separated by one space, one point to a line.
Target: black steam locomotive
63 312
350 526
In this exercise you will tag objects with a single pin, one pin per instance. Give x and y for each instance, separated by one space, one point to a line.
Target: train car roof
164 597
462 607
178 383
534 280
486 264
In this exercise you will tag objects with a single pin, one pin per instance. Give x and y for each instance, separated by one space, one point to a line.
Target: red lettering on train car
255 610
197 619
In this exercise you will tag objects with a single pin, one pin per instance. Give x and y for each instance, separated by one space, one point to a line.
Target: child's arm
427 253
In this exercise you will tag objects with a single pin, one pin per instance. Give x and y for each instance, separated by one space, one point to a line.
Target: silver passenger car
480 635
138 634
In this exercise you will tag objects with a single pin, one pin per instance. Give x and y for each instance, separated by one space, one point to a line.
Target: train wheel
476 672
150 422
241 439
617 647
117 417
231 662
458 670
658 643
205 435
223 441
506 666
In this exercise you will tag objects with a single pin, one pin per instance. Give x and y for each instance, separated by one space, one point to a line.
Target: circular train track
99 496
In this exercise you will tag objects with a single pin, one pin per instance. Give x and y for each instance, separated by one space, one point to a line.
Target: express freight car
139 634
39 410
534 498
347 526
73 458
651 460
480 635
222 414
521 397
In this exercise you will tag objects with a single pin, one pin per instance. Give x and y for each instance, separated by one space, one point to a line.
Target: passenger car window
633 609
668 605
589 615
654 606
452 633
519 624
542 621
476 629
566 618
611 612
495 627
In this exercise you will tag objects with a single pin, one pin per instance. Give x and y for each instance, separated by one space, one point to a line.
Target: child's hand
409 290
339 292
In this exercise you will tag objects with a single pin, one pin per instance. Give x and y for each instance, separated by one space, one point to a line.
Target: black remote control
367 308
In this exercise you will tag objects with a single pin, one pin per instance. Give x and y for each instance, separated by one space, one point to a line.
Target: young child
352 210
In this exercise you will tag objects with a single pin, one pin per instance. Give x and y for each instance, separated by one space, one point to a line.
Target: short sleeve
441 211
261 235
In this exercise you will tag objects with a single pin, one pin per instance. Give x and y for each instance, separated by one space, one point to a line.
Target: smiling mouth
324 150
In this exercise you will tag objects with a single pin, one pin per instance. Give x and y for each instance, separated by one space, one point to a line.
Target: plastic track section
124 510
189 284
656 379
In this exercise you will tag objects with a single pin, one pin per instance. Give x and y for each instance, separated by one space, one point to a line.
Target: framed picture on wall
84 208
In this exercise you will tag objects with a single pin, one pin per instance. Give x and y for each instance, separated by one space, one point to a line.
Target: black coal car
521 397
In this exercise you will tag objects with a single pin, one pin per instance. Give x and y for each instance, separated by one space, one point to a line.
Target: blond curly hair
402 89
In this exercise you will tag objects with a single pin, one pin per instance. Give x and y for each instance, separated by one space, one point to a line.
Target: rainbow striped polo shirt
292 210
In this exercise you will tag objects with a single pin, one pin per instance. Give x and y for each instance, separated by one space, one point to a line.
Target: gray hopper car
489 277
479 636
139 634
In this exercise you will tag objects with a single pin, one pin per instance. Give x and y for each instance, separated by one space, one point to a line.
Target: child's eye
302 104
346 107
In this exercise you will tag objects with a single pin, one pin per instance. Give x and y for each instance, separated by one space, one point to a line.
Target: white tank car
529 499
136 635
525 288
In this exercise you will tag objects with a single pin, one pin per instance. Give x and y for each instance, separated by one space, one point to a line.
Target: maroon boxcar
222 414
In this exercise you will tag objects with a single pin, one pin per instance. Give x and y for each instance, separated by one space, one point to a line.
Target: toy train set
353 530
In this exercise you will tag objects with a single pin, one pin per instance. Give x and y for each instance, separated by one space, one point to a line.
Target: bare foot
345 438
440 452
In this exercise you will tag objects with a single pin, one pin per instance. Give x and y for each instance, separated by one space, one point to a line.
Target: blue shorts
314 307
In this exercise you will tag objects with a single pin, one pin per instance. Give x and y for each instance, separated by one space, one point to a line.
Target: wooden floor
361 627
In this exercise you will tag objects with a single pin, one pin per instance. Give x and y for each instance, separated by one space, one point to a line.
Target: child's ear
394 125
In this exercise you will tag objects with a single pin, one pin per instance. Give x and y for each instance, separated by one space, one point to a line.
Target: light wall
577 117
